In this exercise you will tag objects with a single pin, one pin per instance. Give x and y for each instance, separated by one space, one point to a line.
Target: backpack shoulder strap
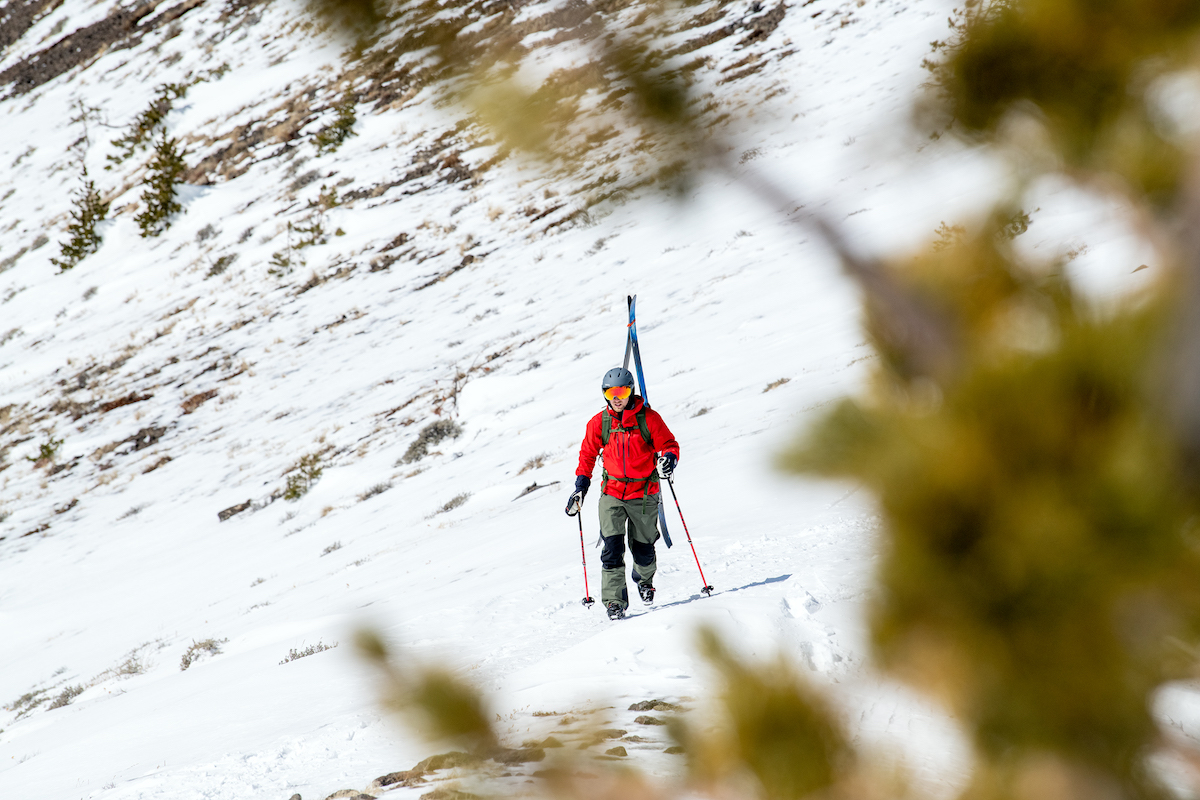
643 427
605 427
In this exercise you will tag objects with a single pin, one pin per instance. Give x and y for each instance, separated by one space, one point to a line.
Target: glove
666 465
582 482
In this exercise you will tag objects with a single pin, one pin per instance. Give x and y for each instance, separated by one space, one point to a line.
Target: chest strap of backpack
606 428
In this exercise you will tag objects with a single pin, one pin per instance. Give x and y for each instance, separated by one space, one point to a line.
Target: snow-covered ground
114 566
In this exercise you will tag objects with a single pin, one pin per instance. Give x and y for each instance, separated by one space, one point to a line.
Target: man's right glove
582 482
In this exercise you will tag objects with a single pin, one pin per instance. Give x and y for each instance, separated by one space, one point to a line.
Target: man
629 433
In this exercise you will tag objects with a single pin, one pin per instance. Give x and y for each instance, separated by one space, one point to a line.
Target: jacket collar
628 417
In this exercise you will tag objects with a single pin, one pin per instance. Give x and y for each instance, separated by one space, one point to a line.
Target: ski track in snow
732 299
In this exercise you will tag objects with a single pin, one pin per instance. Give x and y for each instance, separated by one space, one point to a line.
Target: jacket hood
629 415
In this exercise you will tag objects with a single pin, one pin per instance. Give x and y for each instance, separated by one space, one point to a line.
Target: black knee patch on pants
613 554
643 554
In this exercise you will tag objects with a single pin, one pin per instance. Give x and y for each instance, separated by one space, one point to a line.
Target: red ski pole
587 595
707 590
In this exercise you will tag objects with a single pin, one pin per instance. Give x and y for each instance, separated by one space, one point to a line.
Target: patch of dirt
279 125
128 399
85 378
466 262
195 401
161 462
146 437
743 68
759 28
448 166
117 31
762 27
19 16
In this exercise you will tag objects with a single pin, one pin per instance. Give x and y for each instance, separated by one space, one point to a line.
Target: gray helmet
617 376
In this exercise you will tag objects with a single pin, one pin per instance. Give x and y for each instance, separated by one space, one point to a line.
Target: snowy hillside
191 374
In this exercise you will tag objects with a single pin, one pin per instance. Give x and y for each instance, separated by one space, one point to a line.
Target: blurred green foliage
1039 567
775 727
1041 552
770 735
442 707
1038 500
1089 70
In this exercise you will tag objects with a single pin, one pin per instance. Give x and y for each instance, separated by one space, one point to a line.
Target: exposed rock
550 741
655 705
610 733
229 512
675 751
146 437
410 777
520 756
616 751
649 721
447 761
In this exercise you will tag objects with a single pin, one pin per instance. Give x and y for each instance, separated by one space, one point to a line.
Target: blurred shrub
430 435
772 736
199 649
302 476
1034 457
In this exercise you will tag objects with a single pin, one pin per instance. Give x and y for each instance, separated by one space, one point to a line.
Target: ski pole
707 590
587 595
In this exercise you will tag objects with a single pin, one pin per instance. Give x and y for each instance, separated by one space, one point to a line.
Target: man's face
619 403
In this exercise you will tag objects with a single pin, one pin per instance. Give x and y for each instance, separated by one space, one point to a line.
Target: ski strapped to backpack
606 428
631 348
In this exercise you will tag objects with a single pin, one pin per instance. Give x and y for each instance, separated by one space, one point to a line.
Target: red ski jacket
626 454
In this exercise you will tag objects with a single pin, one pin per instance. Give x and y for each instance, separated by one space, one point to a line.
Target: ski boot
615 611
647 593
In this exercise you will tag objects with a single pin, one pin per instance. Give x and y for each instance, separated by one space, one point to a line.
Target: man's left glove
582 482
666 465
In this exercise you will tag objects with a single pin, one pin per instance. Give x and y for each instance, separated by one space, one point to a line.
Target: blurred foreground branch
768 735
1036 480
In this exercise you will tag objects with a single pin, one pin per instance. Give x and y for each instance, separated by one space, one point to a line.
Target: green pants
639 520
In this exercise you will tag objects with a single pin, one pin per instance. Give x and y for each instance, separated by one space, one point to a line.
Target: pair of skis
632 348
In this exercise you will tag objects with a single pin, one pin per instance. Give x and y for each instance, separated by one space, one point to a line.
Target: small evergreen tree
166 169
146 123
330 138
89 211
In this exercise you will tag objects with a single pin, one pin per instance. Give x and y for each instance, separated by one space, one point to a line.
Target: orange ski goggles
618 393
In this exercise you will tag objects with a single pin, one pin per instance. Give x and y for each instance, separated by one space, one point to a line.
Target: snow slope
484 312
